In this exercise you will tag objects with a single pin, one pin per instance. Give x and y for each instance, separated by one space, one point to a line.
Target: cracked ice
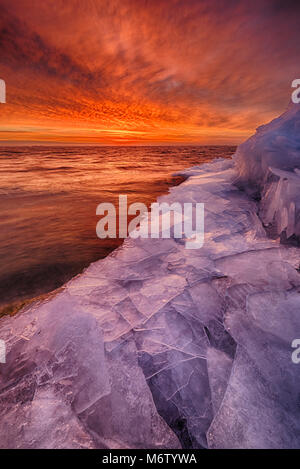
157 346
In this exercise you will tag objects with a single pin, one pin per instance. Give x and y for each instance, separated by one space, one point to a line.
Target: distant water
48 200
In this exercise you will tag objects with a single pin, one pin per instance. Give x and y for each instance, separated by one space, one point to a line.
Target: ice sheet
158 346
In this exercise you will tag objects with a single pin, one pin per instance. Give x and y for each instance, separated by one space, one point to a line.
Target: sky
141 72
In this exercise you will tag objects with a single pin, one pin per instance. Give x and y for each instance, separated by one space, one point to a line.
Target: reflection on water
48 200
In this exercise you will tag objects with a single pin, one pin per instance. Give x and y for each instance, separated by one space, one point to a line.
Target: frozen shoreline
157 346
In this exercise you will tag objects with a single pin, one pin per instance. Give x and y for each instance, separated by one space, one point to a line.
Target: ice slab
268 164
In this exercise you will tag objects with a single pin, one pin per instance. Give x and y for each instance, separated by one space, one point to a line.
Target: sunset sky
145 72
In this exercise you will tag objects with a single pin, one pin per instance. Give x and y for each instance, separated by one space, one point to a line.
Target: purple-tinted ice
158 346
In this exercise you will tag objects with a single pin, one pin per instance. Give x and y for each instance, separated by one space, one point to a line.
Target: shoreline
15 306
176 348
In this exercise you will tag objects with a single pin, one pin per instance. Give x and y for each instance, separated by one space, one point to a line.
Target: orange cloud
140 72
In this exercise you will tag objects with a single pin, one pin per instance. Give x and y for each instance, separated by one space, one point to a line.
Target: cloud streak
130 72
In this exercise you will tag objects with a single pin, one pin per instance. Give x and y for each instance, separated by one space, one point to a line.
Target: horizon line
50 144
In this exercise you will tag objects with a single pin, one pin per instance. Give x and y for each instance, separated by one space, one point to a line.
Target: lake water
48 200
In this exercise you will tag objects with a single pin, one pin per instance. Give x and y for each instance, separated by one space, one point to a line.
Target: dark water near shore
48 200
